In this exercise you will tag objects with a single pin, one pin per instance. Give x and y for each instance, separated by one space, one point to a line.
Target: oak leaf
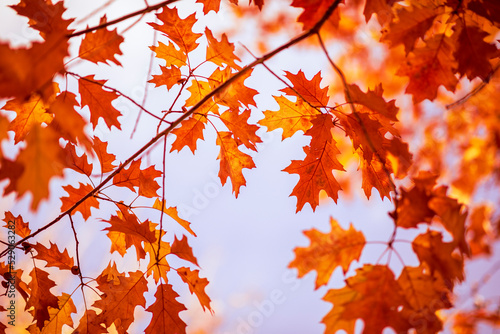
383 9
101 45
314 11
158 264
232 161
375 176
209 5
221 52
439 256
21 228
238 124
182 249
134 176
188 133
12 171
429 67
41 299
479 231
180 31
53 256
196 285
42 162
307 90
291 117
89 325
373 296
173 213
170 54
119 301
99 101
374 101
168 77
316 170
235 95
166 311
489 9
75 195
106 159
60 316
327 251
78 163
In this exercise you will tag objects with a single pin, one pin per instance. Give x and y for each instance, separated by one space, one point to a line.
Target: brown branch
123 18
175 123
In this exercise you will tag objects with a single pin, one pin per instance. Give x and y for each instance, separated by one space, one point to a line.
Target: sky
243 245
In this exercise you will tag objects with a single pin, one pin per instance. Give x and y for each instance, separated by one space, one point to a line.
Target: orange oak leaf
374 101
67 122
473 53
375 176
188 133
413 22
40 299
60 316
158 265
307 90
76 162
199 89
182 249
166 311
119 301
101 45
316 170
439 256
424 294
75 194
53 256
170 54
238 124
314 10
168 77
383 9
180 31
291 117
99 101
327 251
173 213
232 161
19 284
196 285
236 94
42 162
429 67
480 232
126 227
373 296
221 52
106 159
20 227
29 113
134 176
89 325
12 171
209 5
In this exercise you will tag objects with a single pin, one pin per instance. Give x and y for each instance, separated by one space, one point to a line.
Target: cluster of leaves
54 131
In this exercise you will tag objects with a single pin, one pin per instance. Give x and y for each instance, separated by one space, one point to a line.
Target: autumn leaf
21 228
486 8
134 176
439 256
60 316
221 52
75 195
374 101
101 45
314 10
327 251
119 301
41 162
41 299
196 285
170 54
106 159
88 324
479 231
166 311
412 24
316 170
182 249
158 264
209 5
53 256
429 67
125 230
375 176
232 161
99 101
168 77
238 124
173 213
78 163
188 133
372 295
180 31
291 117
12 171
307 90
383 9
